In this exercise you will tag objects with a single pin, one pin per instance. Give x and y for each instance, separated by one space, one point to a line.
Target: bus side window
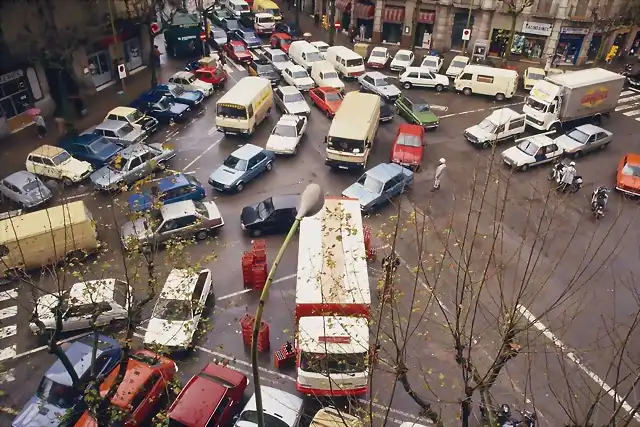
250 111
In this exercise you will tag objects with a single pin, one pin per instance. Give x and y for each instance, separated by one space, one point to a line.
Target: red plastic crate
263 337
260 256
246 324
248 261
259 276
259 244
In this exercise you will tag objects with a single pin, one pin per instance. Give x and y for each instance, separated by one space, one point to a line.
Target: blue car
248 37
169 190
91 148
165 110
192 98
243 165
56 396
379 184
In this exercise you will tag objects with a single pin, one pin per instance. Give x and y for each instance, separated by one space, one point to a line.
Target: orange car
628 178
145 380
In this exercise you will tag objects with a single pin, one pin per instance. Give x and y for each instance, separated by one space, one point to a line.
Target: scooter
504 419
555 174
599 200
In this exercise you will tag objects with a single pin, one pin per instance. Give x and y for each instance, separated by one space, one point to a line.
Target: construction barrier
246 324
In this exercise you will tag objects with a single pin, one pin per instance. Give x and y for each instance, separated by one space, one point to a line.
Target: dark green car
419 113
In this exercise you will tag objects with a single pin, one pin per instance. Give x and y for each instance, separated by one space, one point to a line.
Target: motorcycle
599 200
555 174
504 419
632 79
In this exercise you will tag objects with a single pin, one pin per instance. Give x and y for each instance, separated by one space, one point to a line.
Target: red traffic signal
155 28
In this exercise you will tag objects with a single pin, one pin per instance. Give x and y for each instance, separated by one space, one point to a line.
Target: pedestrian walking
363 31
41 125
353 34
439 172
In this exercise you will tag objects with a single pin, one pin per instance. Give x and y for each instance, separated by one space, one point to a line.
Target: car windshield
535 76
403 57
293 97
177 91
487 125
330 75
177 310
631 170
458 64
536 105
274 12
265 70
164 103
98 145
134 116
528 147
313 57
409 140
430 63
279 58
193 180
378 54
332 96
192 79
249 36
236 163
345 145
251 416
201 208
335 364
32 185
126 129
61 158
578 135
239 49
266 19
371 184
56 394
231 111
285 130
300 74
421 108
354 62
218 380
265 208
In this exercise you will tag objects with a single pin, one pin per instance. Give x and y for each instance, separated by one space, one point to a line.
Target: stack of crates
247 269
246 324
254 266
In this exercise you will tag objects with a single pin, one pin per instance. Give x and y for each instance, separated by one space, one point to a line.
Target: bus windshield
345 145
231 111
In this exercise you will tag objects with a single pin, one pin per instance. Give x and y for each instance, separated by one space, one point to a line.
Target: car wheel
256 233
499 97
577 154
439 88
239 187
295 150
407 85
524 168
269 166
486 145
467 91
66 181
201 235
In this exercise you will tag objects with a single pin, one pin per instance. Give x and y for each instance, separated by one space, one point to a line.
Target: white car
423 77
298 77
279 408
378 58
432 62
277 58
532 151
178 310
189 81
456 66
402 60
104 299
286 135
54 162
322 48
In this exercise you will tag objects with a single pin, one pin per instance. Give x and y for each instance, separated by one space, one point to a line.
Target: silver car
584 139
118 132
376 82
24 188
289 100
130 165
180 220
277 58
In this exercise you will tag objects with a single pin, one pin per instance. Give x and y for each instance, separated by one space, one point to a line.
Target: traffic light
612 53
325 22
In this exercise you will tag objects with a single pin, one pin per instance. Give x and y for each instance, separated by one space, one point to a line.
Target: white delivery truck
563 98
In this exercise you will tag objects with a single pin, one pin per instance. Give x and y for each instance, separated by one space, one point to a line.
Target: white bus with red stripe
333 302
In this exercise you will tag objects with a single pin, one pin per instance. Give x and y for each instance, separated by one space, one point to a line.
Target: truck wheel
439 88
500 97
407 85
467 91
555 127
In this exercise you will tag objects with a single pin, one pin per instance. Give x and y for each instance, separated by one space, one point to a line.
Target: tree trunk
57 351
64 100
331 19
512 33
426 406
153 62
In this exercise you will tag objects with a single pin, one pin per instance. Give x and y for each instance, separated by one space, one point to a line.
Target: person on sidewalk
439 173
363 31
353 33
41 125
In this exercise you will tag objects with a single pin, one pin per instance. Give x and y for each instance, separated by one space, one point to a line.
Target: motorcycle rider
599 198
568 174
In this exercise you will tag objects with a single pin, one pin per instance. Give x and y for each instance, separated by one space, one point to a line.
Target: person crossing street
439 173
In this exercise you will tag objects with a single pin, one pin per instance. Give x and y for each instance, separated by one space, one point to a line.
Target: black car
288 27
273 215
262 68
247 20
387 112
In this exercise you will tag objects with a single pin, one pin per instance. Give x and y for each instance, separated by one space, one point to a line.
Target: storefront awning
364 11
343 5
426 17
393 14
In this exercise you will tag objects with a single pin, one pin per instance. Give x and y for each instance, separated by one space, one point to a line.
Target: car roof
122 111
92 291
112 125
375 74
404 51
84 139
288 90
286 201
179 284
296 67
183 74
539 140
136 374
590 129
47 151
289 119
79 354
173 181
178 209
503 115
247 151
384 171
20 178
134 150
274 51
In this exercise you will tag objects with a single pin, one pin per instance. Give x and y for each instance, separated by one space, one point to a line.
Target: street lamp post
311 201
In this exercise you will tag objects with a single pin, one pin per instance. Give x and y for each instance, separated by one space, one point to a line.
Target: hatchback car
279 408
289 100
280 41
423 77
121 133
192 98
628 175
25 189
130 165
262 68
242 166
408 146
246 36
286 134
418 113
133 117
379 185
177 221
379 57
57 399
91 148
298 77
273 215
277 58
189 81
457 66
57 163
584 139
378 83
217 36
169 190
402 60
237 51
166 110
327 99
209 399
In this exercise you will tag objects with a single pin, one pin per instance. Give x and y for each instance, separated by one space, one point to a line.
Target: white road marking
5 295
7 376
216 142
627 93
8 352
627 107
227 68
438 107
629 99
632 113
480 110
44 347
282 279
234 294
8 331
8 312
572 357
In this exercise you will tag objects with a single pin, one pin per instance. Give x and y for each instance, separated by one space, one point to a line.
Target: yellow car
134 117
57 163
531 75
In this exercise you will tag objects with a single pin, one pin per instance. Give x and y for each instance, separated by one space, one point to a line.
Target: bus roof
244 92
332 266
333 334
353 118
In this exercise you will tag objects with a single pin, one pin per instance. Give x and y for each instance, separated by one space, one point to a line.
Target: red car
237 51
214 75
628 176
408 146
328 99
281 41
209 399
147 377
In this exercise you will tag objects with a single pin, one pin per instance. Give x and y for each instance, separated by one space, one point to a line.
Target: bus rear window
354 62
232 111
345 145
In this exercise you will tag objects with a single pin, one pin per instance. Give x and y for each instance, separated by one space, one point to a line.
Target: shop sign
538 28
574 30
11 76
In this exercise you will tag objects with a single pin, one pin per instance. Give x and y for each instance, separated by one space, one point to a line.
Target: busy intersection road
201 148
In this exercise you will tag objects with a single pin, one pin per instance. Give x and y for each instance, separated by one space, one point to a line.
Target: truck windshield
536 105
345 145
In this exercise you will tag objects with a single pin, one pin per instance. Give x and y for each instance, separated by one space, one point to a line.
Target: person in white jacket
439 172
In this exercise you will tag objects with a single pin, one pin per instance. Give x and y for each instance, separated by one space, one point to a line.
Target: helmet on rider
572 164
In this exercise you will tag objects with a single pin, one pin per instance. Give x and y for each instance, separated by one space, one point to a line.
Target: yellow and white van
346 62
483 80
267 6
245 106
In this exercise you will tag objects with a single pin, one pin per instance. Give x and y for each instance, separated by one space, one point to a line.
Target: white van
244 106
304 54
347 63
236 7
323 73
490 81
263 23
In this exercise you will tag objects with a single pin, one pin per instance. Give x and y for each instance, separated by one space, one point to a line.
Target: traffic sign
154 28
122 72
466 34
203 36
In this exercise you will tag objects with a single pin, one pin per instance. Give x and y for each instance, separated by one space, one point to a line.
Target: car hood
517 156
480 134
400 62
406 154
277 143
568 144
37 413
177 108
357 191
202 85
225 176
139 202
281 66
75 167
108 152
134 229
170 333
298 107
243 54
305 81
249 215
389 90
377 60
426 117
334 83
105 176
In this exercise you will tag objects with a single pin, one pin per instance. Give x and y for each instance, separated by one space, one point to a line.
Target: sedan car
242 166
166 110
86 304
57 396
215 76
224 19
177 221
130 165
402 60
423 77
419 113
190 97
57 163
379 57
376 82
25 189
121 133
237 51
298 77
279 408
277 58
217 36
456 66
273 215
280 41
379 184
289 100
134 117
190 82
584 139
262 68
532 151
327 99
286 134
169 190
91 148
628 175
290 28
408 147
432 62
210 398
246 36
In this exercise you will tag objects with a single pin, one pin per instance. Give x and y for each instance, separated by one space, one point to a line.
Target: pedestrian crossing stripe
632 113
629 99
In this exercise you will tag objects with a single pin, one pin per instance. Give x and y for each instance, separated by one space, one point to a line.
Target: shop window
484 79
528 46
